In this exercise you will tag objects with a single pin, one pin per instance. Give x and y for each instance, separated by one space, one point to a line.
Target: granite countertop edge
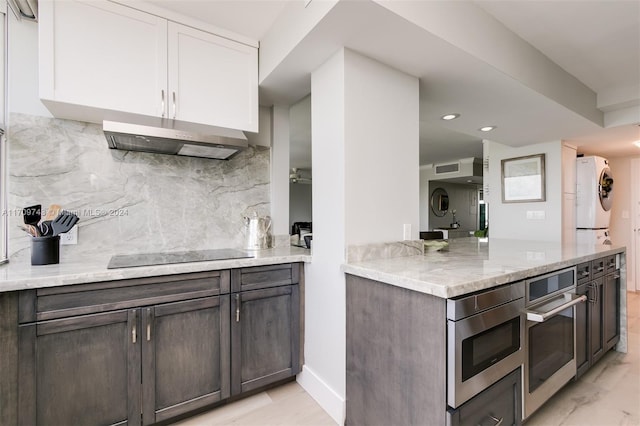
376 271
23 276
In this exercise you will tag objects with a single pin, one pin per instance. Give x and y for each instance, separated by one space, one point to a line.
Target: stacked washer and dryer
594 198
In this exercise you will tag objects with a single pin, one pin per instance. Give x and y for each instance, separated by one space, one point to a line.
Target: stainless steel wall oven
550 335
485 340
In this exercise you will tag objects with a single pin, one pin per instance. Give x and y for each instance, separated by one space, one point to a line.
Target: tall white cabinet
569 154
98 56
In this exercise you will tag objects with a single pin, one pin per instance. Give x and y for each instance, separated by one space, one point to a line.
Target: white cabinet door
212 79
102 55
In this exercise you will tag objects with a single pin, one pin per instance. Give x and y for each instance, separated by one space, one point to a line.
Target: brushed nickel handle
175 110
148 324
585 273
600 268
616 276
163 111
495 419
237 308
542 317
498 421
133 329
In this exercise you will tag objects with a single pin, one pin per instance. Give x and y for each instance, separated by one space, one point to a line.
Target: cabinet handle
498 421
585 273
590 288
237 308
148 324
163 112
616 276
133 329
175 110
600 268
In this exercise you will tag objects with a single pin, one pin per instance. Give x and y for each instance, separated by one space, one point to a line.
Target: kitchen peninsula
403 350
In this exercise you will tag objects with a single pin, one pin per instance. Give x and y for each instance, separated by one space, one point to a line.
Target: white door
212 80
103 55
635 254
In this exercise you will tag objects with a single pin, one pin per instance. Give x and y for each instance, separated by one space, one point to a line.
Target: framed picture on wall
523 179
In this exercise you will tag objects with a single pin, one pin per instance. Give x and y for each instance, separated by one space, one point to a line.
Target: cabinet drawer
264 277
611 263
583 272
598 267
499 404
82 299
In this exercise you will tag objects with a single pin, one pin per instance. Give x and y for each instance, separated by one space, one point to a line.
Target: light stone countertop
470 265
21 275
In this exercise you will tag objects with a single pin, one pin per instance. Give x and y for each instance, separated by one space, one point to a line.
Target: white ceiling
597 41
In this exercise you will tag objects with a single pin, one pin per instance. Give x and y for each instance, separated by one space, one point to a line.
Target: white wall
23 68
279 131
300 202
362 193
323 374
621 225
382 152
509 220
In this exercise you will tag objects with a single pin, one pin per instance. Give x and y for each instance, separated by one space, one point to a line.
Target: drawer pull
133 328
585 273
175 110
148 324
162 98
237 308
498 421
600 268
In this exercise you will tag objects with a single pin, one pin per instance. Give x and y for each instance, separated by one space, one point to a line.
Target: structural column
365 150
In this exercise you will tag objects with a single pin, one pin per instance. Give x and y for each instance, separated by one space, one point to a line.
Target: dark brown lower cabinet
596 317
598 320
185 357
265 330
80 370
128 367
611 321
500 404
582 330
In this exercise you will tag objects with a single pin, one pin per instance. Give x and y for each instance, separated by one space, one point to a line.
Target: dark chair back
431 235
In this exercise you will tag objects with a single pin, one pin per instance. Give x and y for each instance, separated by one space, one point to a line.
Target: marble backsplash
129 202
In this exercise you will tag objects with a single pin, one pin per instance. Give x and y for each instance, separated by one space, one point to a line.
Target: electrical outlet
70 237
407 231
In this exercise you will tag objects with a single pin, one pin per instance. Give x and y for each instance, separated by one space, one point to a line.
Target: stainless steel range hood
164 136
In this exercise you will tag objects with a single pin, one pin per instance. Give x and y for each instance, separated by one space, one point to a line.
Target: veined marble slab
21 275
470 265
129 201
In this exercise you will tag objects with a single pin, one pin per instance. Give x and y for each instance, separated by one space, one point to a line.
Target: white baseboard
326 397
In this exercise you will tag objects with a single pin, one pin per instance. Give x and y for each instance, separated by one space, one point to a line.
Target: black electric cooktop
149 259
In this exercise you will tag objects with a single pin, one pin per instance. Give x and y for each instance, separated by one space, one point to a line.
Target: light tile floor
607 395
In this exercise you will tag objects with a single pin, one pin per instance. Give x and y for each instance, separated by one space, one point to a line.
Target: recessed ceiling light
637 143
487 128
450 116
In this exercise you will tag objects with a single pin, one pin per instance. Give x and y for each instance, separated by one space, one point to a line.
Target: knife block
45 250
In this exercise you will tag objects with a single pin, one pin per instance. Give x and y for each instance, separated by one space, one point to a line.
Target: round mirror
439 202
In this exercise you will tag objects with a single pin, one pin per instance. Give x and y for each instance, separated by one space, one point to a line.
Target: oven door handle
542 317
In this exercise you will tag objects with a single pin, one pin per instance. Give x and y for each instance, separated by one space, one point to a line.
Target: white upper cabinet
98 56
212 79
102 55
